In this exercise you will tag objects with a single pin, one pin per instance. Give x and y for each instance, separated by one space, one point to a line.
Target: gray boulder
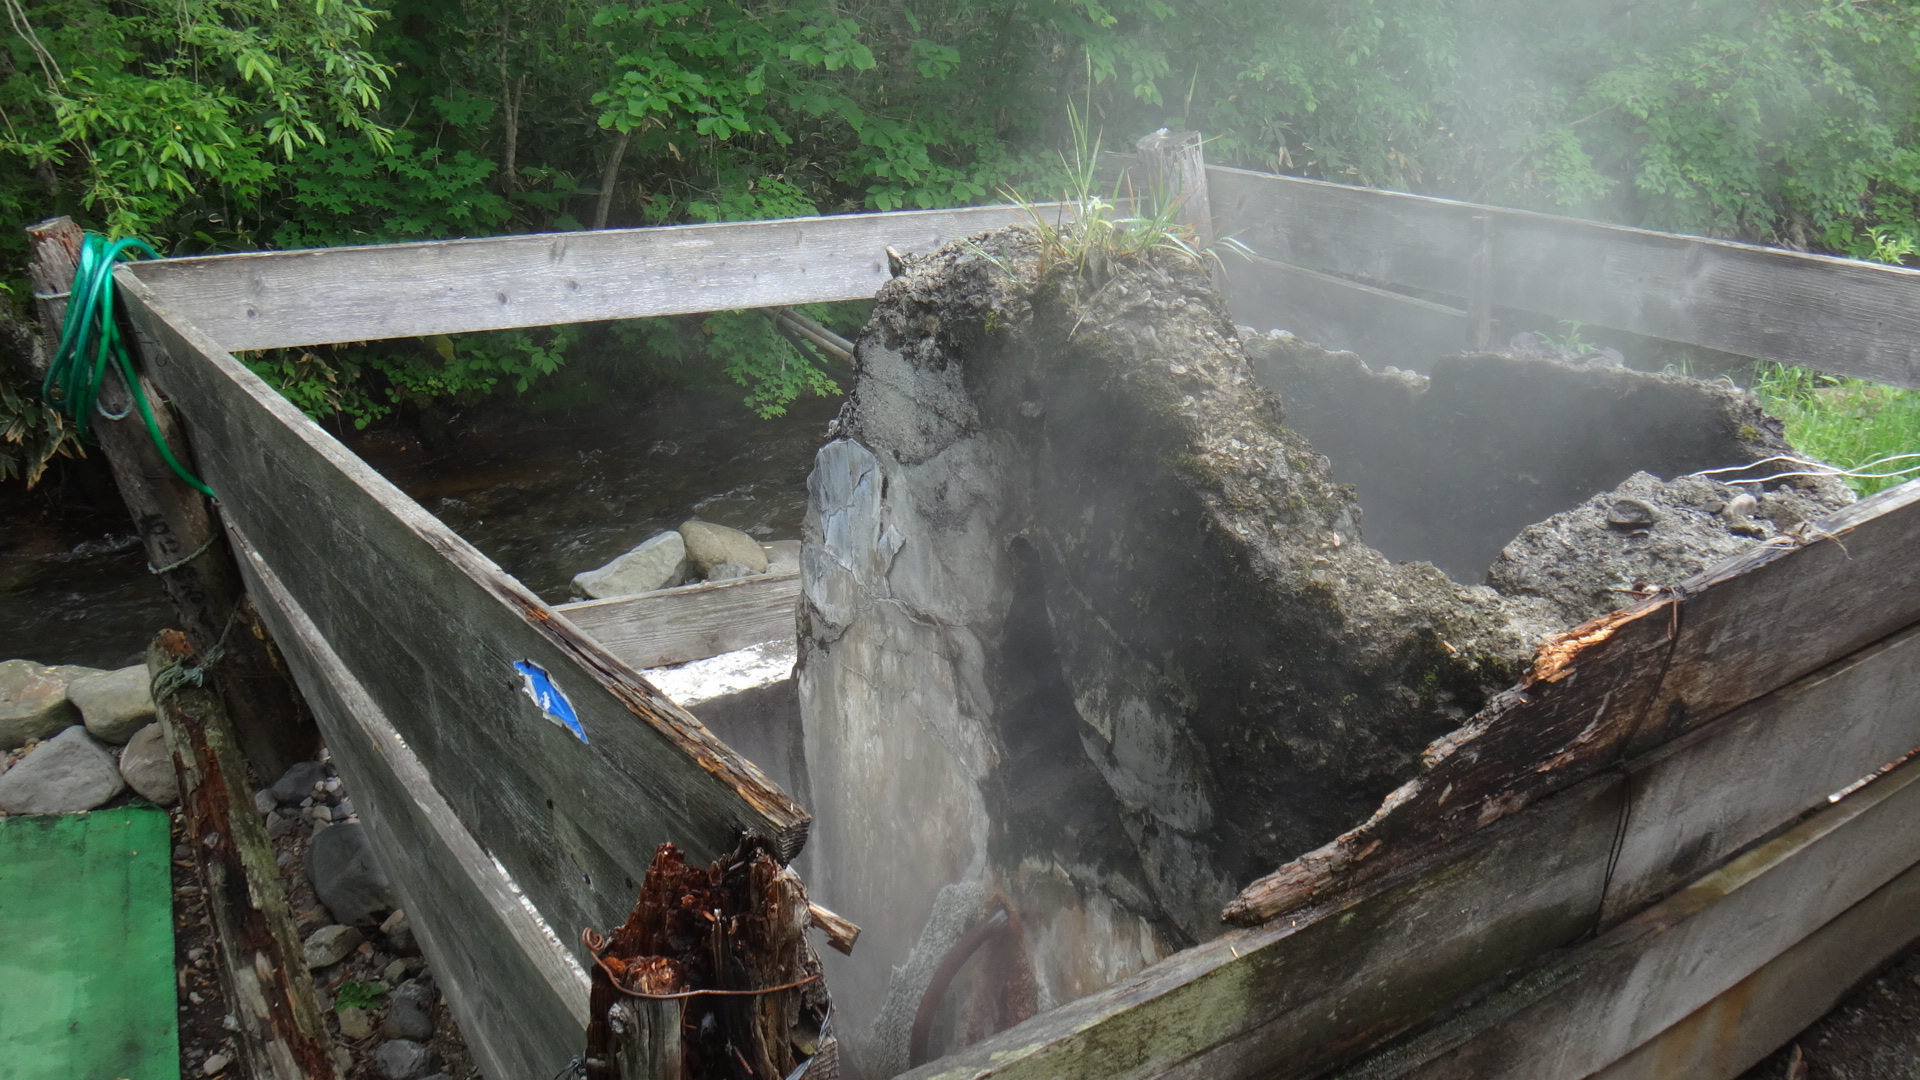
728 570
403 1059
64 775
297 782
147 767
659 562
345 877
407 1019
329 945
709 545
783 556
114 704
33 703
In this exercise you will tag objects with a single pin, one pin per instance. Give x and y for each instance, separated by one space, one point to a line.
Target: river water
544 498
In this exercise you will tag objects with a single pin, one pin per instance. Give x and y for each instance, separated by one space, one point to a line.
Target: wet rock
403 1059
33 703
355 1024
783 556
329 945
345 876
115 704
297 782
399 934
1579 564
709 545
66 774
407 1019
148 768
658 563
1631 514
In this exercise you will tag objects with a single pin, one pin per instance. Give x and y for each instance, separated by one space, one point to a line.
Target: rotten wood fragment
282 1035
841 932
711 976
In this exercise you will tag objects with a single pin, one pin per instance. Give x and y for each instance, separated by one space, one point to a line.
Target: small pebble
1631 514
215 1065
230 1022
395 971
320 813
263 800
196 955
355 1024
194 996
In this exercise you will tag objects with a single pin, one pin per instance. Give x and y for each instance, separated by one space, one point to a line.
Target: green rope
90 339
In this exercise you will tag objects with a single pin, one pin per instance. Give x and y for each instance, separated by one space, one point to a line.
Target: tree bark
608 176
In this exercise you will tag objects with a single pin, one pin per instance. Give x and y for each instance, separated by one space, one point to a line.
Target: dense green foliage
1849 422
217 124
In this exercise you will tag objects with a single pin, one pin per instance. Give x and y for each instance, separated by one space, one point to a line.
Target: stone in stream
710 545
66 774
114 704
783 556
658 563
148 768
329 945
297 782
345 876
33 702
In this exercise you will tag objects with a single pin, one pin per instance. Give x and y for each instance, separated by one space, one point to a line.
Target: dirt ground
1874 1034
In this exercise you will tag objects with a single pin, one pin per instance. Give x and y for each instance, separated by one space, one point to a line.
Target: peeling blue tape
553 704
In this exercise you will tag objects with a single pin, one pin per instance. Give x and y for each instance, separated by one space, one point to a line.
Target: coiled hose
90 342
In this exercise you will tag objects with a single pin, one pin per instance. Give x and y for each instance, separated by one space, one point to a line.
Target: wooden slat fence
1662 835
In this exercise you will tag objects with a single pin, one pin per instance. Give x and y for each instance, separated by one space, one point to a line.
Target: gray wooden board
1598 1003
1828 313
1762 1012
1384 328
432 631
520 999
1717 789
693 622
1292 997
264 300
1761 620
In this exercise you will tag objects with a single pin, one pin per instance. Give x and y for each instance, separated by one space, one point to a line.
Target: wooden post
184 543
282 1033
1176 170
1480 284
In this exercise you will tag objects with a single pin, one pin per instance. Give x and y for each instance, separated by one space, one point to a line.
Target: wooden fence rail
1667 815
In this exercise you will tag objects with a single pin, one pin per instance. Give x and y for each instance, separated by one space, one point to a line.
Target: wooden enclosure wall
1663 822
504 832
1837 315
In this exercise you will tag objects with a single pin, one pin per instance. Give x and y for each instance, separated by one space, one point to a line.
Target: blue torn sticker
553 704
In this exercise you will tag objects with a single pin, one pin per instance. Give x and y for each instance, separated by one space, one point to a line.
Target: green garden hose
90 339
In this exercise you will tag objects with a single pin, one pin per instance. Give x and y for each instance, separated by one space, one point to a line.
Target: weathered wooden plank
1297 995
520 998
264 300
1601 1001
282 1035
1833 314
1383 327
1706 795
1634 680
672 626
1757 1015
434 632
1766 618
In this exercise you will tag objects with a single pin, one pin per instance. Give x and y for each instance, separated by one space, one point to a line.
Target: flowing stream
544 498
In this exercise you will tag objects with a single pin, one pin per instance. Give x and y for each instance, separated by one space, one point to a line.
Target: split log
184 543
282 1033
711 976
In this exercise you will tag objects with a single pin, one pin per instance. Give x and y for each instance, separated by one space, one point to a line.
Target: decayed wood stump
711 976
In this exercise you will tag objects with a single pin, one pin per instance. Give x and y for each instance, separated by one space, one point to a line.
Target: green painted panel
86 947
